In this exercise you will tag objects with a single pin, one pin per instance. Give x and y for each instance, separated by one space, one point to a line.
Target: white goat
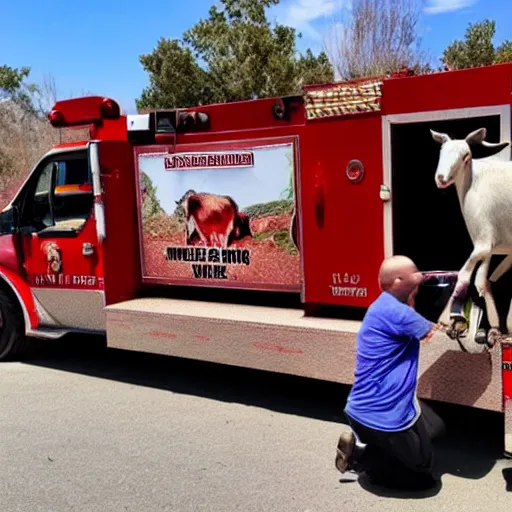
484 188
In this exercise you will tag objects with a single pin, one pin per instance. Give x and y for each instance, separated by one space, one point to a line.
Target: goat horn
495 145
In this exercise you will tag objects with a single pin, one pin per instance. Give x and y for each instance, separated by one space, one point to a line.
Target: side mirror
9 221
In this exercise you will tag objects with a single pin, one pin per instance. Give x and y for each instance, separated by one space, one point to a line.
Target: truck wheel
12 333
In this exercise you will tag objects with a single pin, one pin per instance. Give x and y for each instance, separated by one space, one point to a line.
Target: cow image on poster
213 220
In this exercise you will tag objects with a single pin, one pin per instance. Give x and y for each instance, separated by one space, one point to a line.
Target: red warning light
109 109
56 119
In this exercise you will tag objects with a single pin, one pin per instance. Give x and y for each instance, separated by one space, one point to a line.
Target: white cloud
301 14
309 10
442 6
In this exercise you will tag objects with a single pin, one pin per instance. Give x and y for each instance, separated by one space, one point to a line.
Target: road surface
88 429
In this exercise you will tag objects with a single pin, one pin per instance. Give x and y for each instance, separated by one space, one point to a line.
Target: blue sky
247 186
94 46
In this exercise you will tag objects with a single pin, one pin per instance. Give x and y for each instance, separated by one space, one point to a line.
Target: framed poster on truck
220 215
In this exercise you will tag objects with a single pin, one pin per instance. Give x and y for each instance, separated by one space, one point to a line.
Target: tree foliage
477 48
25 134
14 86
235 54
151 205
378 38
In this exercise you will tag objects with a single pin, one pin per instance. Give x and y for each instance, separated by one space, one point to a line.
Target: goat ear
441 138
477 137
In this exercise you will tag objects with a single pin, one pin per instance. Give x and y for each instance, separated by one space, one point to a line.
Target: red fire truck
165 232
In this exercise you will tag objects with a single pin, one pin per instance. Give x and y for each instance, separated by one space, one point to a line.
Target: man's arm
440 331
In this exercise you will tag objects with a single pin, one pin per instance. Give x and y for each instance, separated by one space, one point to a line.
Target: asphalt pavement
83 428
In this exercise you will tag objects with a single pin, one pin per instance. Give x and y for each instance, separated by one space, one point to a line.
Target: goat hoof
458 327
481 337
459 322
493 337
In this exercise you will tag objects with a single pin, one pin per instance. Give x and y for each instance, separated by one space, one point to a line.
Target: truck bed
285 341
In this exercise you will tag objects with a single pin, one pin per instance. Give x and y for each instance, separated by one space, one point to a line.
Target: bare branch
376 38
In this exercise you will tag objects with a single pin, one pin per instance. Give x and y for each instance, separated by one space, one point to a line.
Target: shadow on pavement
406 495
470 449
507 475
472 444
87 355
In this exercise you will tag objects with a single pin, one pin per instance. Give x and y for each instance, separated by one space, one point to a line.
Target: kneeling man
382 408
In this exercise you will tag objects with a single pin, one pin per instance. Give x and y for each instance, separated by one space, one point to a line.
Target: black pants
399 459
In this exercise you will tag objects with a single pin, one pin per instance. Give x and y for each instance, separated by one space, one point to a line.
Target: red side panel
447 91
121 247
342 221
507 372
77 272
245 115
112 130
8 253
507 396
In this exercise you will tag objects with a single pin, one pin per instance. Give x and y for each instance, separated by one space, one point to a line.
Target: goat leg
509 319
502 268
453 313
474 339
483 287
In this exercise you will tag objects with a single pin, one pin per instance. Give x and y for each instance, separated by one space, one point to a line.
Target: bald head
399 276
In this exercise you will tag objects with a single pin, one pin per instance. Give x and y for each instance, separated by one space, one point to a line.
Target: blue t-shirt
383 396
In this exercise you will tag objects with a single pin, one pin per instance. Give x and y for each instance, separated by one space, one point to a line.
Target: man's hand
443 329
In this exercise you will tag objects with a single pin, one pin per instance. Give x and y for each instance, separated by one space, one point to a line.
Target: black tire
13 341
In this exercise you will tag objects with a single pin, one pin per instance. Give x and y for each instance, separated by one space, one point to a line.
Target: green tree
234 54
14 87
151 204
477 48
504 53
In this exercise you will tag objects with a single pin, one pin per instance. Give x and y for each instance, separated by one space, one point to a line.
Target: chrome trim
99 209
47 334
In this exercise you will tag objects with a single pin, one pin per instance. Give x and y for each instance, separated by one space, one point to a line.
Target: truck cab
51 243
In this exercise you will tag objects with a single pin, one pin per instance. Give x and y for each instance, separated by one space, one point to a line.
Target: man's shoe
344 450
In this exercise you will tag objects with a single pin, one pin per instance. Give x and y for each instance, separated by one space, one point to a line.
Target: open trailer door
119 203
426 223
420 218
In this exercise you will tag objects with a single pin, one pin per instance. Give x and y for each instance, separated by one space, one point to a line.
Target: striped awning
343 99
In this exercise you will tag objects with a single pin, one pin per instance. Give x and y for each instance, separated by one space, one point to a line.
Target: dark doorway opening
427 222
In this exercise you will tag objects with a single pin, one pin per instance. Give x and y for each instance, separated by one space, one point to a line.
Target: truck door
61 256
